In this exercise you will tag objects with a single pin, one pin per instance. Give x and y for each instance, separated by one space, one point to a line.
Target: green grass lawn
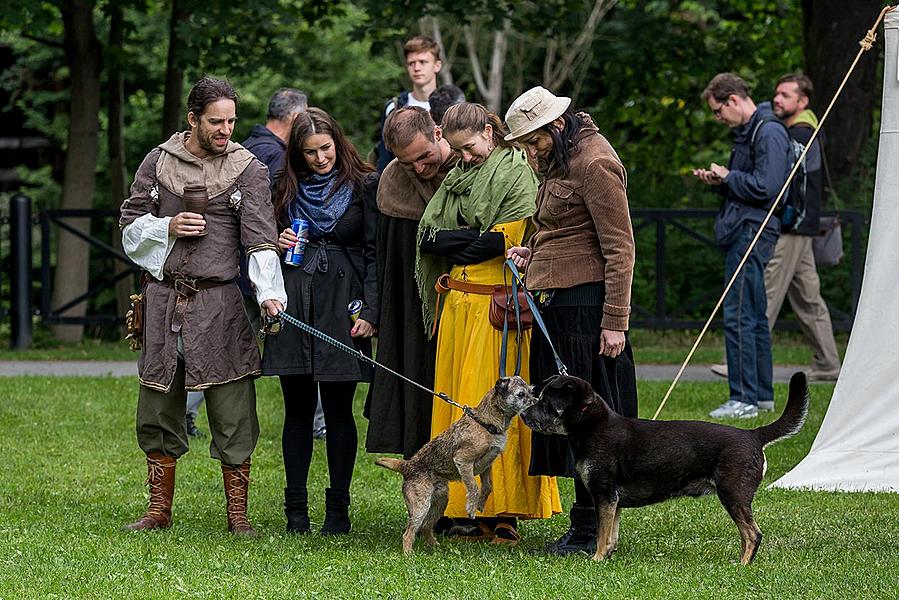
72 474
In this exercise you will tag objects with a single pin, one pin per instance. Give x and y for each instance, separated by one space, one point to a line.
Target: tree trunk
116 141
83 57
430 26
492 89
829 45
172 111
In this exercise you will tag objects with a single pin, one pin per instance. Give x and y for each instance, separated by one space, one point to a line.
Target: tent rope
866 44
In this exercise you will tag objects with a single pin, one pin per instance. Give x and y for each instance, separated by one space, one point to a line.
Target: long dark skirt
573 317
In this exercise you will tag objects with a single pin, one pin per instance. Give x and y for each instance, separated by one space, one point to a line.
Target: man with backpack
792 271
423 62
759 164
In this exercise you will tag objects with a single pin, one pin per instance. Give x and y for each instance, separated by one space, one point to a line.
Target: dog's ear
502 385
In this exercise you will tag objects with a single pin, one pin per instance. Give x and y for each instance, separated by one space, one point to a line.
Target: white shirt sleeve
146 241
265 274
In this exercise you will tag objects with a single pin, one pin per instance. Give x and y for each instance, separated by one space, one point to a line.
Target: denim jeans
747 340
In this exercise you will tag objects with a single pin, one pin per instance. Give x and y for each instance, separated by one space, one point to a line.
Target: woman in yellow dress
480 210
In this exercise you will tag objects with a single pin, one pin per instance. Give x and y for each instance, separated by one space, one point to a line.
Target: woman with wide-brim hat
580 264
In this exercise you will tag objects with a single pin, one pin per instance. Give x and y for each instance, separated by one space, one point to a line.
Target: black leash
493 429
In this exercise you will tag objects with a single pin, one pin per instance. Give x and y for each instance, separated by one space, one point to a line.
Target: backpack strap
758 126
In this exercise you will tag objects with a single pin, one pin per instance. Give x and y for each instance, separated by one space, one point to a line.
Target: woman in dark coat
580 265
325 182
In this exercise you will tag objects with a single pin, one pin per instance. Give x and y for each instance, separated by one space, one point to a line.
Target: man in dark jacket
268 142
759 165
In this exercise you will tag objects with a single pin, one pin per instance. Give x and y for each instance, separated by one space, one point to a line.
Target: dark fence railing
674 288
5 267
699 287
63 220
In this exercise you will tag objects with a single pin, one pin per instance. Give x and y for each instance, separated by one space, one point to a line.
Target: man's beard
207 144
784 116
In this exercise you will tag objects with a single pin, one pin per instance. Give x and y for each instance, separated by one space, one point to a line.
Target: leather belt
445 283
185 288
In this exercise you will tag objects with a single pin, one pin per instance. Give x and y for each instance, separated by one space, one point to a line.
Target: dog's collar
493 429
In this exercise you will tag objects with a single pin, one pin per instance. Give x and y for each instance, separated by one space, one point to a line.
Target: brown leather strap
185 288
445 283
188 286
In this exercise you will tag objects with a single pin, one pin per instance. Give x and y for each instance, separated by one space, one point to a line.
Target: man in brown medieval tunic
196 333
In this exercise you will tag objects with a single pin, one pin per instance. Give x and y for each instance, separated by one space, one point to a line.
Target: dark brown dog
464 450
634 462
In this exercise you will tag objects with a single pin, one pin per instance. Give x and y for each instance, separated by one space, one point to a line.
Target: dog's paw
471 507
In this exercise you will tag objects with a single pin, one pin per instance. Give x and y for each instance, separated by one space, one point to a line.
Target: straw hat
532 110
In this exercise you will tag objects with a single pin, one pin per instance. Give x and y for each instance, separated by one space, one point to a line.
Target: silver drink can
294 256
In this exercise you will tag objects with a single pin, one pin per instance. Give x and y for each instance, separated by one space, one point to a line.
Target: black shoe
443 525
296 509
192 430
581 535
337 512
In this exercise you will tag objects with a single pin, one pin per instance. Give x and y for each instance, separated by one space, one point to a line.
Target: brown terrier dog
466 449
627 462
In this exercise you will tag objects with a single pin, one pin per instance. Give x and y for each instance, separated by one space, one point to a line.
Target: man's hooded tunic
216 341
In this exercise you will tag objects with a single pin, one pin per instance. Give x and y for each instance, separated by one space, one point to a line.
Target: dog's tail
394 464
790 422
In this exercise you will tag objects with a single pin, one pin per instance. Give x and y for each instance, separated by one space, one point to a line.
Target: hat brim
556 110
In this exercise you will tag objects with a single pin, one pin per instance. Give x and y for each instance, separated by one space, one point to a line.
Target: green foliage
73 475
647 98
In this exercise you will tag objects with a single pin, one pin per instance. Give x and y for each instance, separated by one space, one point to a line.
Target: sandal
505 533
472 531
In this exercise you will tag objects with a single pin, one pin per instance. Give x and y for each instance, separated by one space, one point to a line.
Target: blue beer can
294 256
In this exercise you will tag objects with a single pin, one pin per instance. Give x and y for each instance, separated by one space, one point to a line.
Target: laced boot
161 481
581 535
337 512
237 483
296 508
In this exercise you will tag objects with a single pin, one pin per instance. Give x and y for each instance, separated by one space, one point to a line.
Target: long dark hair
564 143
352 168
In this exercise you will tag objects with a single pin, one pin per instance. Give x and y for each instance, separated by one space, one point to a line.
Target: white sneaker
720 370
734 409
766 405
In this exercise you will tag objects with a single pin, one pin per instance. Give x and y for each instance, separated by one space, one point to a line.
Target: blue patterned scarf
316 203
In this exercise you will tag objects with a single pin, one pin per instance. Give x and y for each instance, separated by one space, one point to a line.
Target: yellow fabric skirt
467 367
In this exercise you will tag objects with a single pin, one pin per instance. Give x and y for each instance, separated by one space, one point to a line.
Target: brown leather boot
237 483
161 480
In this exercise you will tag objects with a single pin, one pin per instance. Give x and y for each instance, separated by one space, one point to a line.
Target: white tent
857 448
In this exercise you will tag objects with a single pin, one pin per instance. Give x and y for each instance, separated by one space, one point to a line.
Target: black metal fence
101 283
673 289
682 236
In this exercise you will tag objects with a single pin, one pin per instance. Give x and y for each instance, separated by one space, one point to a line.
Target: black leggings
300 398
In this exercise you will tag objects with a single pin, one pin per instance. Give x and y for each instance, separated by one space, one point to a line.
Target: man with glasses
758 167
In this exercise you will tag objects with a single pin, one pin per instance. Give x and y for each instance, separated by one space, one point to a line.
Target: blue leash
516 281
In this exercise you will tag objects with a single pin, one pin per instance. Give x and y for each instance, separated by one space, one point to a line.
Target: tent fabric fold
857 447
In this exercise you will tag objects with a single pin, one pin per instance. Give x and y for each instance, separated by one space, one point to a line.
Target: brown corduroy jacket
584 232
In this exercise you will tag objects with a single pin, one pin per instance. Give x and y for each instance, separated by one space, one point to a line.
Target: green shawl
502 189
